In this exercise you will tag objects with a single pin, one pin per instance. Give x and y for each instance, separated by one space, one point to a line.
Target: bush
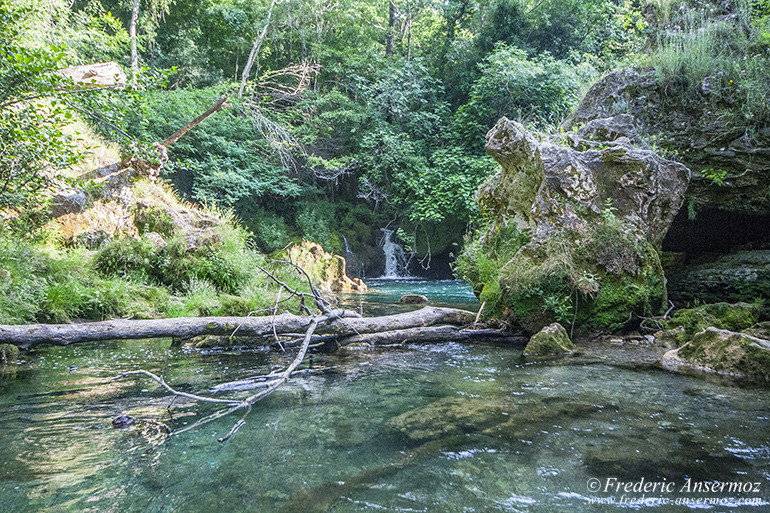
125 257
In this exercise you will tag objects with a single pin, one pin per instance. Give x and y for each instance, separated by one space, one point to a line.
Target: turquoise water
440 427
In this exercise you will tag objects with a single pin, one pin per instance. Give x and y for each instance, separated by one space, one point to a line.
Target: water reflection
443 427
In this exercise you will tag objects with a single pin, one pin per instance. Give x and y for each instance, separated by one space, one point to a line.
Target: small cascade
395 258
347 248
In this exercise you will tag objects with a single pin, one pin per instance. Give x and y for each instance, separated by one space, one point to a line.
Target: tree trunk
132 35
391 26
344 324
189 126
255 50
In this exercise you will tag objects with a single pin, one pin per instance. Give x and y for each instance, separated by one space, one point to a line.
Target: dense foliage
355 114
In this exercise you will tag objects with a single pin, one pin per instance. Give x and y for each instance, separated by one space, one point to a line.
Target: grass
715 64
42 280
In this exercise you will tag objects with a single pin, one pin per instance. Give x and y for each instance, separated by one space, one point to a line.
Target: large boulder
575 225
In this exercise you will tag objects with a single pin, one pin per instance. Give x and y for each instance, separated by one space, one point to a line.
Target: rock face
326 270
702 140
742 276
550 341
575 226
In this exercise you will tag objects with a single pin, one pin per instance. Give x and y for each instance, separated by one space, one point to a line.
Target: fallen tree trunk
344 323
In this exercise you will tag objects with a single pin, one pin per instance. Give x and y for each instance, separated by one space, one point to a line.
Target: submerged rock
9 353
550 341
413 299
575 226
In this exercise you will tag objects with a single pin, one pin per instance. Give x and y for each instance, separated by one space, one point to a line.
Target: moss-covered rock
573 232
325 269
704 137
723 352
8 353
550 341
741 276
685 323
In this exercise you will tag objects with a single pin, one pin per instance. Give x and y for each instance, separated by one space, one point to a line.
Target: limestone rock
741 276
550 341
156 239
70 201
702 139
100 74
450 416
723 352
325 269
589 218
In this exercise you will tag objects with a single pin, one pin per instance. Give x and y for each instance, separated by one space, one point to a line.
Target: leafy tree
32 144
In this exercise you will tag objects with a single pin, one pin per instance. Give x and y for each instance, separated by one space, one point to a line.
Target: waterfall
395 259
347 248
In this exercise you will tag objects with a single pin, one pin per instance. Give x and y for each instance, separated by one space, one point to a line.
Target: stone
122 421
99 74
686 322
723 352
741 276
413 299
326 270
552 340
9 353
70 201
582 223
156 239
449 416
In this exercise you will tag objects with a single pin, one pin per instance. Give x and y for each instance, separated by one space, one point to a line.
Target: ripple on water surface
443 427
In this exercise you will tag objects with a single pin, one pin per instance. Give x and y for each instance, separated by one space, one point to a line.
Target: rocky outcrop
575 226
730 163
99 74
741 276
550 341
327 271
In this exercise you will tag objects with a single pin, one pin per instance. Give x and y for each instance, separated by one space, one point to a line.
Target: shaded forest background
356 114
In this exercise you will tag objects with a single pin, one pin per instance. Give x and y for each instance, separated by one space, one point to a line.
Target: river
427 428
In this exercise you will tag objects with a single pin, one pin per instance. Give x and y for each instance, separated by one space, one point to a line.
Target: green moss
596 275
729 352
733 317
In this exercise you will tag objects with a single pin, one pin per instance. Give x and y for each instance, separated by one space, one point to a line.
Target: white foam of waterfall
395 258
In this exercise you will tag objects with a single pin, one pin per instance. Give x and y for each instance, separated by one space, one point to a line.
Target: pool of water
428 428
384 293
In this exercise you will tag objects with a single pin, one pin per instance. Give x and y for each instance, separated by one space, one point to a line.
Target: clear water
384 293
441 427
